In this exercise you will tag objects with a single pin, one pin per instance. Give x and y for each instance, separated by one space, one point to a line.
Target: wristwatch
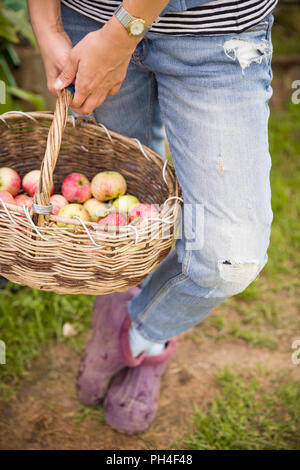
135 26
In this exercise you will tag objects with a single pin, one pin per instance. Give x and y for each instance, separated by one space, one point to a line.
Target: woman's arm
54 43
98 63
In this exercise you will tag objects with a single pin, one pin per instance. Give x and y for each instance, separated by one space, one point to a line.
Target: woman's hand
97 66
55 50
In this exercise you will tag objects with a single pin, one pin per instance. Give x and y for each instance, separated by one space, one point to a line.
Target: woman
203 70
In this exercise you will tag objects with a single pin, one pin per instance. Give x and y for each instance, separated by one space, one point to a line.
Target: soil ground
45 413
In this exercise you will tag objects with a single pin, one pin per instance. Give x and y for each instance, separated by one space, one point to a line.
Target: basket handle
42 195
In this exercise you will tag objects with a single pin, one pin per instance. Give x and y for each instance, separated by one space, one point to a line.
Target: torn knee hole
238 272
246 52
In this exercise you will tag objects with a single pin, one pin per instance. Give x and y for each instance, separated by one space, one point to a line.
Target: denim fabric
211 92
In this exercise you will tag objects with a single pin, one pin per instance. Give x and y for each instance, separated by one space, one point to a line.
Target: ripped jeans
211 94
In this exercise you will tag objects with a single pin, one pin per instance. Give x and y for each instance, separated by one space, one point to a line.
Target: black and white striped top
214 17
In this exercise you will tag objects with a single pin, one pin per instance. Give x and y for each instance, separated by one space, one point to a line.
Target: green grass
85 412
284 254
258 339
29 318
248 414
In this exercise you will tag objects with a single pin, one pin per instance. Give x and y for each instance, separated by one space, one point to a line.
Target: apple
9 181
23 200
30 182
114 218
108 185
6 197
142 212
96 209
125 203
76 188
58 201
72 210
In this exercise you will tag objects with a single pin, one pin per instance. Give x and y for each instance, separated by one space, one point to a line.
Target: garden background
232 383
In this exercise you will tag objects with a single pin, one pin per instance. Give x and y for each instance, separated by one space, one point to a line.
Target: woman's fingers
92 102
67 75
80 96
85 102
115 89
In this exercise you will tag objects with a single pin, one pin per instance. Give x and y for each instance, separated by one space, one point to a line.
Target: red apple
9 180
108 185
57 201
23 200
6 197
114 218
30 182
142 212
76 188
96 209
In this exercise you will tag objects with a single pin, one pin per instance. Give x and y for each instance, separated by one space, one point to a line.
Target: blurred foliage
286 29
14 23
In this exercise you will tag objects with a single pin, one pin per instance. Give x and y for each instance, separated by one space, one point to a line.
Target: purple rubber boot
108 351
131 401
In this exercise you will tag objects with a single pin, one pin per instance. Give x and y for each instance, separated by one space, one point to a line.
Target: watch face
137 27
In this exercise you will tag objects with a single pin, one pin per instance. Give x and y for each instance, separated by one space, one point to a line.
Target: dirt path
43 414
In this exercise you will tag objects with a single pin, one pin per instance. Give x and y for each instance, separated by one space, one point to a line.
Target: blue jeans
211 94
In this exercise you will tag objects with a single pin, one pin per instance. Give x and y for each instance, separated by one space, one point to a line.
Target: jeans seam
137 326
162 291
150 111
186 261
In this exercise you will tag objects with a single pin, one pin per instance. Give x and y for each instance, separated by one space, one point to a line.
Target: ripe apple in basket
72 210
30 182
108 185
58 201
9 181
23 200
142 212
114 218
96 209
125 204
76 188
6 197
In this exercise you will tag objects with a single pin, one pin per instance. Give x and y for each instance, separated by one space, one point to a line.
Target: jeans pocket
263 27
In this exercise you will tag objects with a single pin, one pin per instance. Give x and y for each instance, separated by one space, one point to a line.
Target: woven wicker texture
94 259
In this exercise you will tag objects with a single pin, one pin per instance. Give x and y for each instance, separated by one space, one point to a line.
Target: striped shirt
214 17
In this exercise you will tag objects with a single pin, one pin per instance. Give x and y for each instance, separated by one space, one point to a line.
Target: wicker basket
91 258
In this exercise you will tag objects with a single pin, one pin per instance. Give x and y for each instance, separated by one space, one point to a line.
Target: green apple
71 210
125 203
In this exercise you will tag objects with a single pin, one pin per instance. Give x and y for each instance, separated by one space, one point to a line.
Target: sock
138 344
155 349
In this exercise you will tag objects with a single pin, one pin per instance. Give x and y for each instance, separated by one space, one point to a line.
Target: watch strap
126 19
